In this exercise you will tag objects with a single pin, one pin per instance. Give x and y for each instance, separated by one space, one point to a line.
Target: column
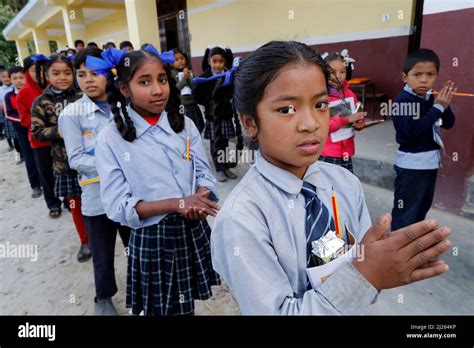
142 20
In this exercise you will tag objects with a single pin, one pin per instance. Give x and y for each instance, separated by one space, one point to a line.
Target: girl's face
294 111
60 76
148 89
92 84
217 63
179 61
6 78
338 73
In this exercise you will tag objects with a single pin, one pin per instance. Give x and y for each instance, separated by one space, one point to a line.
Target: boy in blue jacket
417 118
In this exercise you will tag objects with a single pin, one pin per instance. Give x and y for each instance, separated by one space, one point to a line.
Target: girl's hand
357 116
445 95
198 202
195 213
405 256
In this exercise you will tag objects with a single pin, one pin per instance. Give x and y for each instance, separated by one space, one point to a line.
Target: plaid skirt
10 131
66 185
339 161
228 130
194 113
169 266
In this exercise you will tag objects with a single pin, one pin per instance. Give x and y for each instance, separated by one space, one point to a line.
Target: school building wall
375 32
447 30
110 28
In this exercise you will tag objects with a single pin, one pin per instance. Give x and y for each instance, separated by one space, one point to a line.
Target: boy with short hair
418 133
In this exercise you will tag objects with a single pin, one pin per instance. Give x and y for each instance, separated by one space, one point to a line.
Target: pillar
142 20
74 25
40 38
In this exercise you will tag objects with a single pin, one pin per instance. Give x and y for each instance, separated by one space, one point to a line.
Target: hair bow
347 60
110 59
226 74
167 57
39 57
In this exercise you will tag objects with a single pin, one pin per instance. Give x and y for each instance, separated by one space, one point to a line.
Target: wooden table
362 88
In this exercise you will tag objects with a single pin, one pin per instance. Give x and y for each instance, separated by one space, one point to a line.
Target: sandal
55 213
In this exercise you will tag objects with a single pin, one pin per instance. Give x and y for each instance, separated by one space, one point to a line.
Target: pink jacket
343 148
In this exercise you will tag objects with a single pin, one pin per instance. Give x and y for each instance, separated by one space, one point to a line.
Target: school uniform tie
318 219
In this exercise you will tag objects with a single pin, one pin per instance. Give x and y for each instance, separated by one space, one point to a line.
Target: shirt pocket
187 177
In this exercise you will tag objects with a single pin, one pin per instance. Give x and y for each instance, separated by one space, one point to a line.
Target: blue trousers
413 196
102 235
27 153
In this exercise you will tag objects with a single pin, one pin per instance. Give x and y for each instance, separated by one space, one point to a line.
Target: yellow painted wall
243 23
113 27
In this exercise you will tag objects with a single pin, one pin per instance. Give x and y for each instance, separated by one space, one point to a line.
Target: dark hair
124 44
78 42
80 58
224 52
337 56
421 55
135 60
15 69
92 44
28 62
186 58
262 67
42 67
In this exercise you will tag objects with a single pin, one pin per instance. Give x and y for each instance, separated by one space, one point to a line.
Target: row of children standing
106 196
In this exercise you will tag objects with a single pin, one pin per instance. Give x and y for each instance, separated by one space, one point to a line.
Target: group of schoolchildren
124 151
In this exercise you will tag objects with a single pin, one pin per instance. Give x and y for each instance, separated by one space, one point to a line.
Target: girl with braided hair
155 178
222 121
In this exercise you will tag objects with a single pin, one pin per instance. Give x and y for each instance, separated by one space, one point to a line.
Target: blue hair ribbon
226 74
167 57
39 57
110 59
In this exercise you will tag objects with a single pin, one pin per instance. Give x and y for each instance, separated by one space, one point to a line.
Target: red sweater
345 147
24 100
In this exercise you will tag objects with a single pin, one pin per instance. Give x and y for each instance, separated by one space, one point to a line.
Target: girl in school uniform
340 152
79 123
263 233
155 178
183 76
45 111
219 113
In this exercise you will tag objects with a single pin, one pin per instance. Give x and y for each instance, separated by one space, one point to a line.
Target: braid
41 73
113 97
205 61
175 118
217 120
131 133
